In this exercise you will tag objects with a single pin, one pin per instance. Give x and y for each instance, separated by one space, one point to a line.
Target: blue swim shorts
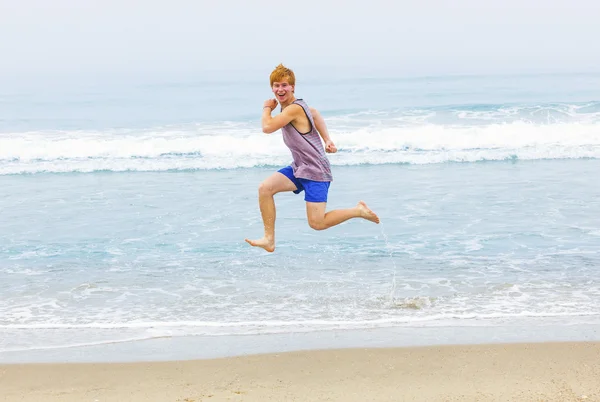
314 191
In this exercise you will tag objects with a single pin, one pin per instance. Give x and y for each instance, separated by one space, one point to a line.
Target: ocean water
124 209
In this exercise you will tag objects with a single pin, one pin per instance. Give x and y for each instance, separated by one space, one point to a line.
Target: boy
310 171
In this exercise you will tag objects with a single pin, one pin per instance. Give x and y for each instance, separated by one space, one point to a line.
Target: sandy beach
501 372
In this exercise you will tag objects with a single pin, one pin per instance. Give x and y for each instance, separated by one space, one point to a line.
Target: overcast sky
419 37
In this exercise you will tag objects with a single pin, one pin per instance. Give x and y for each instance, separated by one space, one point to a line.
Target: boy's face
284 92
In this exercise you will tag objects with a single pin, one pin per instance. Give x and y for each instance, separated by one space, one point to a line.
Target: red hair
283 73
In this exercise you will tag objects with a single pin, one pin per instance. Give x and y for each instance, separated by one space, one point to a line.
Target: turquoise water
124 221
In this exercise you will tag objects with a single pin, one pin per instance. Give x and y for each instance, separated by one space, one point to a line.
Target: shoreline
548 371
199 347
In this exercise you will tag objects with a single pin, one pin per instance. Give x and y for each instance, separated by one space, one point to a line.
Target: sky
42 38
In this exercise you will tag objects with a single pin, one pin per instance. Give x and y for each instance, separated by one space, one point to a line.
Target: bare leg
319 220
274 184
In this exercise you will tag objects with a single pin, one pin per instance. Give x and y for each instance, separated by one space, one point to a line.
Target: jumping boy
310 170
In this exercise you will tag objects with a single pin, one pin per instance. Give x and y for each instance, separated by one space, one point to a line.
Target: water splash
389 248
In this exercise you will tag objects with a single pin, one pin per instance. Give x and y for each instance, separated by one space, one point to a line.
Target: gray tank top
310 161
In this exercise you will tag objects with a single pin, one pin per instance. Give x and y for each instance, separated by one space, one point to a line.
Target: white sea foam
245 147
104 333
268 326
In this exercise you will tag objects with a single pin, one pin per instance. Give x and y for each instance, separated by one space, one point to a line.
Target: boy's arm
272 124
322 129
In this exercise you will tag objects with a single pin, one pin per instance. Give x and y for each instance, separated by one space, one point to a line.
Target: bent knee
317 224
265 188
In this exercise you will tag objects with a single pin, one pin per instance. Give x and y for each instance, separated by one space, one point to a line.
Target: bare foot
365 212
267 244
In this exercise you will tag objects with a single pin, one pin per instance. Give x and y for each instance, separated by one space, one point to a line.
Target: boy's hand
272 103
330 147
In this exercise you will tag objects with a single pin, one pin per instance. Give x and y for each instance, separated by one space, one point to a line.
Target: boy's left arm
322 129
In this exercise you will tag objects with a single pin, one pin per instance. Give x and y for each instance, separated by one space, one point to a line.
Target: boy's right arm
271 124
